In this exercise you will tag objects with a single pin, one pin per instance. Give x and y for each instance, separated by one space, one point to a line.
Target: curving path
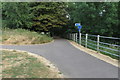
72 62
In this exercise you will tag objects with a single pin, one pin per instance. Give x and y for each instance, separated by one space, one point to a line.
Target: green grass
21 36
21 65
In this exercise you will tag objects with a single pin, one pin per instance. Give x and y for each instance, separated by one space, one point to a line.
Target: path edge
95 54
29 44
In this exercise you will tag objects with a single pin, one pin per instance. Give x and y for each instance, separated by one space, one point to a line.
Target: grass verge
22 65
93 46
109 50
96 54
21 36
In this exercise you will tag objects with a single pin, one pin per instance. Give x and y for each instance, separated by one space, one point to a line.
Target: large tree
49 15
37 16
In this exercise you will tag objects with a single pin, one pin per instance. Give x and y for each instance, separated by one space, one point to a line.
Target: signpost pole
79 29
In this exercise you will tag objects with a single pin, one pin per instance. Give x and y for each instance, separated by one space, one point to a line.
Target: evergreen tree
48 15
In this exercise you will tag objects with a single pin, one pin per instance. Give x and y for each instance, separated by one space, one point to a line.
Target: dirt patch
19 40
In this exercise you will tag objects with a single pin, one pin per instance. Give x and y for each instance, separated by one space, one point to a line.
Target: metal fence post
80 38
73 36
98 40
70 36
86 40
76 37
67 36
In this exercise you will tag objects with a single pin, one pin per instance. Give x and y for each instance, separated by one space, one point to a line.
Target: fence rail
94 42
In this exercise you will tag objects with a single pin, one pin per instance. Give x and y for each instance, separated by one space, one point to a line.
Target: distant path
72 62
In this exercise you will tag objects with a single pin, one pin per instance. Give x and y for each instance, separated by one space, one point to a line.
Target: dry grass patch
21 36
22 65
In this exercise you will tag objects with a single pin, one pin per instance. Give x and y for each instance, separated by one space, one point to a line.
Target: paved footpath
72 62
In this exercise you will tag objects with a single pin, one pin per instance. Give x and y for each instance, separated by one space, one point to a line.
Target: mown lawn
21 36
21 65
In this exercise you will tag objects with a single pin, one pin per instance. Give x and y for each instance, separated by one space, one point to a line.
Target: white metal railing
94 42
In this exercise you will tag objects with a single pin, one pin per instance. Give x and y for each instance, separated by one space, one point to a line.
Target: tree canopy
96 18
38 16
60 17
16 15
48 15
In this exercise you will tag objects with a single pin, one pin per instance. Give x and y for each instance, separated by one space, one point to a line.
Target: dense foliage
96 18
37 16
59 17
16 15
48 15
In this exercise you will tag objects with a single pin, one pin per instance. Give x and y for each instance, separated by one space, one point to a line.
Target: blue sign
79 28
77 24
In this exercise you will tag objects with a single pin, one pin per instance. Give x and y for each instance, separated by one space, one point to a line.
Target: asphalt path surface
72 62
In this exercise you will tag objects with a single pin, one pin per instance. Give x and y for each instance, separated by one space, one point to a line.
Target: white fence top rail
102 36
110 37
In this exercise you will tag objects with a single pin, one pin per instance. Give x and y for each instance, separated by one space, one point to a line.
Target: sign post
79 29
79 26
